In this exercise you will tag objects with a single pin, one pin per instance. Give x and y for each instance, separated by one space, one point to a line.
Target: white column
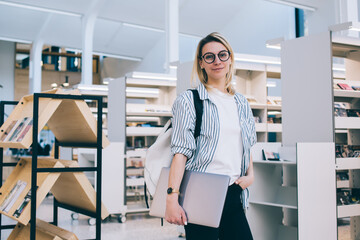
35 58
87 49
172 33
88 24
35 67
7 71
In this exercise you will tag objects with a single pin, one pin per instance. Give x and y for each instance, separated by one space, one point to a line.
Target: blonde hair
213 37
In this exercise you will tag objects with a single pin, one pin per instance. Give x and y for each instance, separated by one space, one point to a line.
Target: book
353 112
271 156
345 86
13 195
18 129
23 204
28 125
8 130
356 88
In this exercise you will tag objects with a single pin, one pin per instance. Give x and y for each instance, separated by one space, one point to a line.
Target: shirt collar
203 93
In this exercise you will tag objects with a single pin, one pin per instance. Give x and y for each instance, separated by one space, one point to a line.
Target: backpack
159 154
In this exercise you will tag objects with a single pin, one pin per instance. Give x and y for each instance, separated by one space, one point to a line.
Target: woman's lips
217 69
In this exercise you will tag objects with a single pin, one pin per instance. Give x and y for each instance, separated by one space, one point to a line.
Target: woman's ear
201 64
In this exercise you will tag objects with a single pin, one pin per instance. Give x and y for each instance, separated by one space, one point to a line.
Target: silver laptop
202 195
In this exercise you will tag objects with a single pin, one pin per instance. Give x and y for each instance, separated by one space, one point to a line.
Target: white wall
257 22
7 70
154 61
326 14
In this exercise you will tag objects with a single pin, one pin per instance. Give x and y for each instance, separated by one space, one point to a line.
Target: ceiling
121 27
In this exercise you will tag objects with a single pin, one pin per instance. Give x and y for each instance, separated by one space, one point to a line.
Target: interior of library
86 87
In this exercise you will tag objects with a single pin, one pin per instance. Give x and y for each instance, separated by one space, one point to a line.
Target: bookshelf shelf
272 204
348 210
260 127
347 123
274 127
143 131
347 163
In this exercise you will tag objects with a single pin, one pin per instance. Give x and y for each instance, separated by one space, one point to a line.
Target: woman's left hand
244 181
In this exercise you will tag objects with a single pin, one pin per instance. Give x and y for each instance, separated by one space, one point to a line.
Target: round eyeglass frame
202 57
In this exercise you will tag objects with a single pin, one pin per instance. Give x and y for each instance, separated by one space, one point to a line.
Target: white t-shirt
229 151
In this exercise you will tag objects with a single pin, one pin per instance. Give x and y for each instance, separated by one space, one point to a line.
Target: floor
136 227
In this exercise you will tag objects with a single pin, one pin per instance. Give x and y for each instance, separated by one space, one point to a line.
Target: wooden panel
44 231
76 190
22 172
74 122
25 109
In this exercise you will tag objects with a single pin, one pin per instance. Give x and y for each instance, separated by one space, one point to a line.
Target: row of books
344 86
348 196
269 101
343 110
347 151
17 130
12 197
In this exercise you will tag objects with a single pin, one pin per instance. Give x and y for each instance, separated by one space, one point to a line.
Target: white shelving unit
284 201
251 75
141 104
318 123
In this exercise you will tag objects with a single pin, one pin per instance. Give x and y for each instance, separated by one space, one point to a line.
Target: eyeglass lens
210 57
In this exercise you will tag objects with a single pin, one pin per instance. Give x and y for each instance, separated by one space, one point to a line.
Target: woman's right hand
174 213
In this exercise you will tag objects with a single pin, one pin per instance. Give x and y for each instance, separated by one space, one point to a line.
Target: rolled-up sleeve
183 122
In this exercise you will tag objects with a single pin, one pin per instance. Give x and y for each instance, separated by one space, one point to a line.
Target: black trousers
233 223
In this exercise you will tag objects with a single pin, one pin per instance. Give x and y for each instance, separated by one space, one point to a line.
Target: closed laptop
202 195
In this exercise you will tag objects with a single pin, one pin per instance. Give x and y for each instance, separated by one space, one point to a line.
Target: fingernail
185 223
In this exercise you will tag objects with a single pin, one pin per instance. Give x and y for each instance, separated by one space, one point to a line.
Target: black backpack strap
199 112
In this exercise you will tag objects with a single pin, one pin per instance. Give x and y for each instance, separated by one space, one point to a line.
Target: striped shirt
200 152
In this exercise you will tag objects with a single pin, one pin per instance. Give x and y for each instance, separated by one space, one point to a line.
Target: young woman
223 147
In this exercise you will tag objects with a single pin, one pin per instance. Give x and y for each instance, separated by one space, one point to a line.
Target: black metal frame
2 164
35 169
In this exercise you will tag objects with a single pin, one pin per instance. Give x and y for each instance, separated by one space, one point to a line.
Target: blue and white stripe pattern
200 152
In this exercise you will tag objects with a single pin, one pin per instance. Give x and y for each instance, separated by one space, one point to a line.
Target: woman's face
218 69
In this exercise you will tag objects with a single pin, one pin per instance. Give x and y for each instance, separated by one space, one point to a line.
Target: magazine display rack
73 125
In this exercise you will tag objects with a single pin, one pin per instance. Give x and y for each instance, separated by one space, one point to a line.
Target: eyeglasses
210 57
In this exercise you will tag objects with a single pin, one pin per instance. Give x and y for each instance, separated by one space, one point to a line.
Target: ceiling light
257 59
271 84
274 43
41 9
53 85
295 5
118 56
142 27
354 26
15 40
152 76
